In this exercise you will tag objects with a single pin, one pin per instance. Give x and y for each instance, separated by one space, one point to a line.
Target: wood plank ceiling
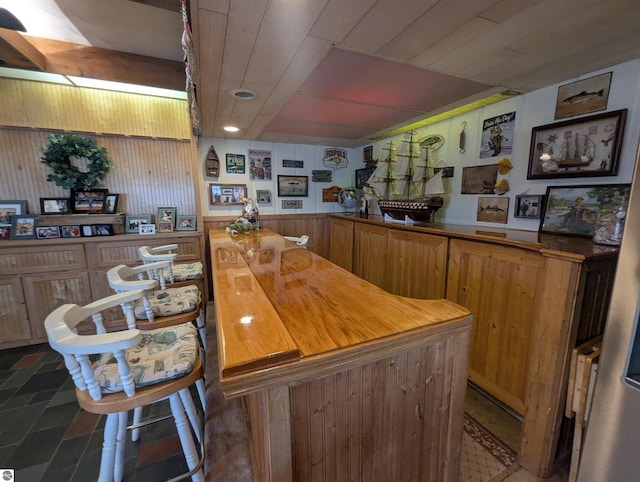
339 72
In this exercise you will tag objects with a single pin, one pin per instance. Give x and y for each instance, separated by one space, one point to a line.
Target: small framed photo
103 229
166 214
186 223
54 205
89 201
572 210
70 231
5 232
87 230
293 186
492 209
263 196
10 208
47 232
165 226
23 227
147 229
111 203
528 206
227 193
132 222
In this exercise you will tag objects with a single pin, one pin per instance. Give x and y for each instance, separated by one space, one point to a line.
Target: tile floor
45 436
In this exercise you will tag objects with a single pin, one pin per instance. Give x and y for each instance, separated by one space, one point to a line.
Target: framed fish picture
583 96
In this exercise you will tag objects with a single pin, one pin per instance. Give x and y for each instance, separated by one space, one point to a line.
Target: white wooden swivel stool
175 274
124 370
159 307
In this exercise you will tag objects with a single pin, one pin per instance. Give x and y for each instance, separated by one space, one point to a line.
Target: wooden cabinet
38 276
533 298
341 243
13 312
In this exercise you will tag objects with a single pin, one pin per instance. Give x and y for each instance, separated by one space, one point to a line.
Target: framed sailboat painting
585 147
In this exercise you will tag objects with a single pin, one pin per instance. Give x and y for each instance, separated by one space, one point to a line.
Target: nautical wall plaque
292 163
335 158
292 204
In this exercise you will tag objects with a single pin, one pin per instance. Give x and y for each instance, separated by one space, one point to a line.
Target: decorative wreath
57 156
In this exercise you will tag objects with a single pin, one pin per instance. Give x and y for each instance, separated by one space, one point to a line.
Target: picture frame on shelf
103 229
147 229
87 231
227 193
55 205
23 226
528 206
47 232
72 231
111 203
573 210
164 227
132 222
166 214
11 208
186 223
584 147
293 186
88 201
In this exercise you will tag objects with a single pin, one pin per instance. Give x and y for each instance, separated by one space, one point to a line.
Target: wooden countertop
569 246
280 306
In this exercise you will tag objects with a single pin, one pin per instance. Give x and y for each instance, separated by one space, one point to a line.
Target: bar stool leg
121 435
186 439
108 448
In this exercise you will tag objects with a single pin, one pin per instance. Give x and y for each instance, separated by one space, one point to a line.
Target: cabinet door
370 254
417 264
499 285
341 243
48 291
13 312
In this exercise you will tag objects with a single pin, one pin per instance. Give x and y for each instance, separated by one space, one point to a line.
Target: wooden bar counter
341 380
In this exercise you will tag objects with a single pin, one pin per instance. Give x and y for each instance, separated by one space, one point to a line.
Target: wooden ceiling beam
18 53
84 61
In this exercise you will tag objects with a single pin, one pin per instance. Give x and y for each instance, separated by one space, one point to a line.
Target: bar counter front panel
341 380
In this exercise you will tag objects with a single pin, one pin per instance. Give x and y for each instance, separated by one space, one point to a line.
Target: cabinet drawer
113 253
42 259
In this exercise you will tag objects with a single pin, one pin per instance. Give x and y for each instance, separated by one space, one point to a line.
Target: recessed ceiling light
243 94
231 129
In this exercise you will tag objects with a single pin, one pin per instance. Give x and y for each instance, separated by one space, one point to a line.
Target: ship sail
402 185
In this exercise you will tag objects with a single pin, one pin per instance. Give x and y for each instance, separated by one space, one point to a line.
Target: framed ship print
292 186
585 147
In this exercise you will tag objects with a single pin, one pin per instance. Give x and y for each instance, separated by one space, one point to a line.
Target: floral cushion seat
162 354
170 301
184 272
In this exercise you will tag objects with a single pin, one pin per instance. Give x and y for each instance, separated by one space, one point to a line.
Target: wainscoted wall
147 139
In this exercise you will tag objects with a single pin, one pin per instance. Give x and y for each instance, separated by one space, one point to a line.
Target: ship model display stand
402 186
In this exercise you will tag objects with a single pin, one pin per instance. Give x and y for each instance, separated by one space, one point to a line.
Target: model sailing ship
580 155
402 185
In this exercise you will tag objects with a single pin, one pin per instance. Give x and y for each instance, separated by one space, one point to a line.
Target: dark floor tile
43 396
37 448
69 452
6 394
44 381
12 437
57 416
19 377
60 474
6 453
21 417
158 430
88 467
84 423
162 470
50 367
159 449
35 473
16 402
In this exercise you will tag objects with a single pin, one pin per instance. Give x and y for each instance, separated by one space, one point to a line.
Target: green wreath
57 156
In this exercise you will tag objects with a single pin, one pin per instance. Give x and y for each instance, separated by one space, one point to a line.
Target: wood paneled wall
147 139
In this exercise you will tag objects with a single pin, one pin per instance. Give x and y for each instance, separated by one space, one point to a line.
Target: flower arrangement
57 156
